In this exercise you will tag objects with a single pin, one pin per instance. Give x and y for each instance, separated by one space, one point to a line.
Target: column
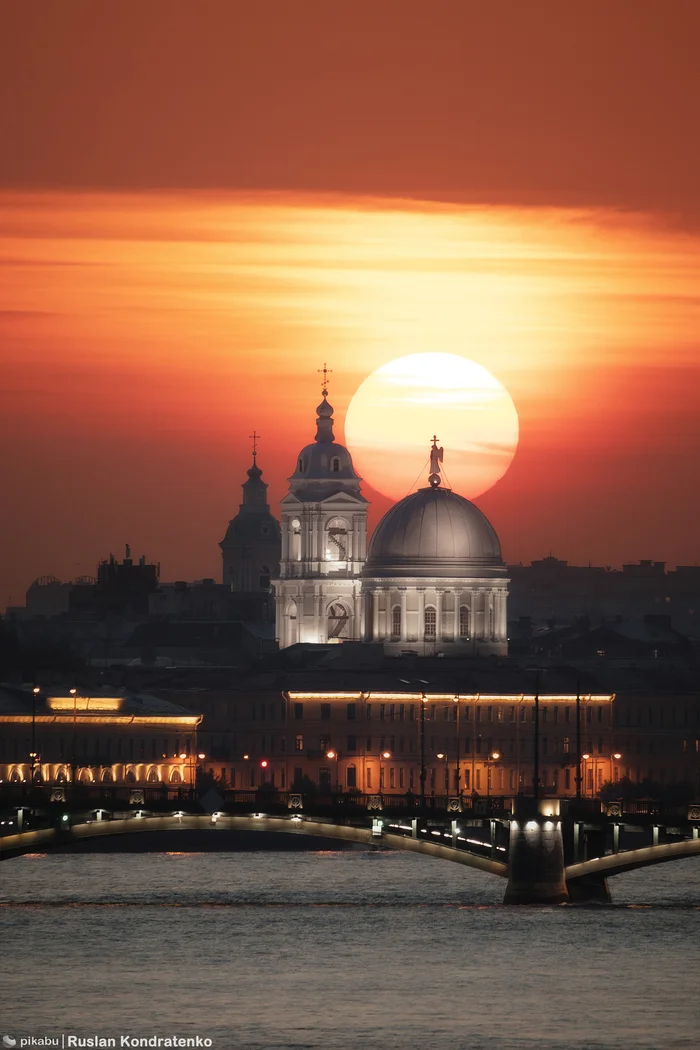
356 615
504 614
474 603
404 614
421 614
375 614
439 596
457 602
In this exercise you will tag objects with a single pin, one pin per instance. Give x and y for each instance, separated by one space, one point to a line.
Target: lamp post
458 772
424 700
33 754
382 755
443 755
332 754
74 694
493 756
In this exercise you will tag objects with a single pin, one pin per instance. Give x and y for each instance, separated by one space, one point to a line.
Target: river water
342 950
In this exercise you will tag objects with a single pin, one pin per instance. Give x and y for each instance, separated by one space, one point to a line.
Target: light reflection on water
343 950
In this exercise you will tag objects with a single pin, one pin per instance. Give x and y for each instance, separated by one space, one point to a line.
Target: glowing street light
382 755
332 754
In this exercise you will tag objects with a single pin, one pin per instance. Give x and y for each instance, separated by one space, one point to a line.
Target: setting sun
397 409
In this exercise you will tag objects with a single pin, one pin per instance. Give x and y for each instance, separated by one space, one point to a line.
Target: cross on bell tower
325 371
254 437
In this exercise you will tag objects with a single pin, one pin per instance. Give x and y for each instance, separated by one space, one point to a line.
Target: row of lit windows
504 713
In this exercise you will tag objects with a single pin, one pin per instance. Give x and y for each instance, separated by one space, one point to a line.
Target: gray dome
434 532
324 459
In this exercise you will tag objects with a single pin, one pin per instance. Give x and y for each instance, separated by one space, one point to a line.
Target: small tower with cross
250 549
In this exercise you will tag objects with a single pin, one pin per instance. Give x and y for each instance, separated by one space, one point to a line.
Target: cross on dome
436 457
325 371
254 437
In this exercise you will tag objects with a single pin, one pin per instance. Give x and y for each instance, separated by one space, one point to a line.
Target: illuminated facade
135 739
434 580
371 741
324 541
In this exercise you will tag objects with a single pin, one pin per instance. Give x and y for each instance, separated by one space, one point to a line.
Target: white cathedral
432 581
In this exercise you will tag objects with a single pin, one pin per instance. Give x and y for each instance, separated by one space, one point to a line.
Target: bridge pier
589 889
536 870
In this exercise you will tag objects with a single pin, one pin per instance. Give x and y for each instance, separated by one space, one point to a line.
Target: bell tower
250 549
324 542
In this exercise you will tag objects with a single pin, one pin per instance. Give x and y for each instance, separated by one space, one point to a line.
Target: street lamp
458 773
443 756
424 700
33 754
385 755
74 694
492 757
334 755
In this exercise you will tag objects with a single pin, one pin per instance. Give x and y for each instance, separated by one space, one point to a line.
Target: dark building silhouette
251 549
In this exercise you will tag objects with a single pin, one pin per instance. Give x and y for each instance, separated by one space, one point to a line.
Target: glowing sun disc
397 409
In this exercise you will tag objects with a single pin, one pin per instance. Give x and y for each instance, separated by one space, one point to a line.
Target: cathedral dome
434 533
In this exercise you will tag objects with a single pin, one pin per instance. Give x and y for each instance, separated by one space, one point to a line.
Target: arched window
290 615
335 465
352 776
337 540
264 580
338 619
301 465
107 777
396 622
153 776
463 621
175 777
84 776
430 620
130 776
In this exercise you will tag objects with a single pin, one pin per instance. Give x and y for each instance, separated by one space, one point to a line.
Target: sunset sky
200 203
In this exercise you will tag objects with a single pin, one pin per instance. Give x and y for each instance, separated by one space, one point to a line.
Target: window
382 711
301 465
298 742
325 712
352 712
489 713
264 579
352 776
368 712
337 540
463 621
298 711
368 746
392 777
352 743
566 745
369 777
338 619
567 779
335 465
430 620
396 622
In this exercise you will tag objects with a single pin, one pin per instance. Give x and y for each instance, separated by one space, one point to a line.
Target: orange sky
201 204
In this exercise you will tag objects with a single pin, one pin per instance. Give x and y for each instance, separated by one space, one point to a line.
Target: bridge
549 851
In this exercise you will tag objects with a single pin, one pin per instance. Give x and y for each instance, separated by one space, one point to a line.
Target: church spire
254 489
324 412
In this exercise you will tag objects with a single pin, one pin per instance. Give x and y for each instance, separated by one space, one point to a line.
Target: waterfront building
63 736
